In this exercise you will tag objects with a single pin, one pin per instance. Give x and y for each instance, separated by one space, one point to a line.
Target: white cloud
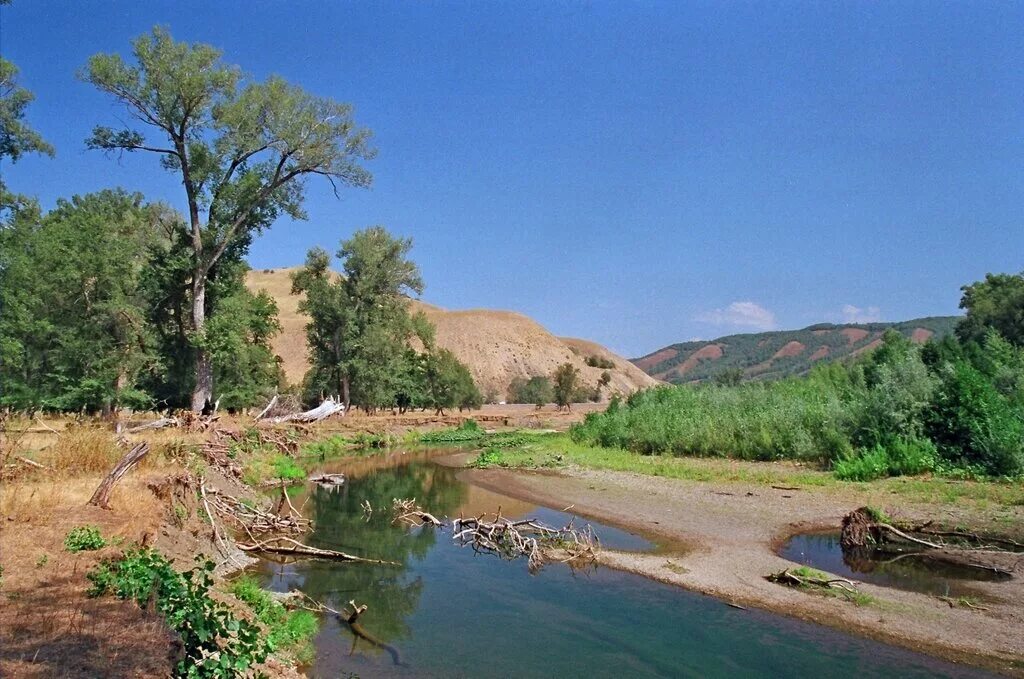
740 314
855 314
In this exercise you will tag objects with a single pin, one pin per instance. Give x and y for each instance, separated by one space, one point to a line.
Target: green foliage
996 303
360 328
469 430
599 362
215 643
973 424
488 457
792 419
16 138
290 631
286 469
536 390
447 383
898 457
84 539
566 384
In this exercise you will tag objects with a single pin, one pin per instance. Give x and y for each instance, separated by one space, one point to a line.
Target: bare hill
497 346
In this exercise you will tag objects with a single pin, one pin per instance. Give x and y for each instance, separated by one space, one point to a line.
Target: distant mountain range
781 353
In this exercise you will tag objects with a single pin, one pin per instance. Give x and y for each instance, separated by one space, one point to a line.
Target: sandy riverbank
723 540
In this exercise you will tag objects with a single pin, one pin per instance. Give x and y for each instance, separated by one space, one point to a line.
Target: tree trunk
345 399
202 393
101 498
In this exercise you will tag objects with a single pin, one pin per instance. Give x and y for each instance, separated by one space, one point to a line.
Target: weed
84 539
214 641
42 560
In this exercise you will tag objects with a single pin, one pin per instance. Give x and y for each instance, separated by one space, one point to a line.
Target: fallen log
289 547
321 412
155 424
101 498
327 479
813 579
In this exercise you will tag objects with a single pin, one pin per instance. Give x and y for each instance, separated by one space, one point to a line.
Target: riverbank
724 535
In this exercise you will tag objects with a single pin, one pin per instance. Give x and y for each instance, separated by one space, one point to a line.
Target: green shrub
285 468
488 457
84 539
898 457
291 631
215 643
469 430
336 444
974 425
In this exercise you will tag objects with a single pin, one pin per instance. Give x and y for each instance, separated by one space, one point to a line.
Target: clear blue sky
636 173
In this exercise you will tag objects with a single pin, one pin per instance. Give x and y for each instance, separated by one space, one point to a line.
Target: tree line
110 301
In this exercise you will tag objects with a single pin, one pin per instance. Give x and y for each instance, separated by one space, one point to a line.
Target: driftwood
527 537
351 618
862 530
255 520
321 412
155 424
101 498
788 577
327 479
273 402
289 547
407 511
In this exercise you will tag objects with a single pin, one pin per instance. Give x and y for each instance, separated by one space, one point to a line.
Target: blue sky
636 173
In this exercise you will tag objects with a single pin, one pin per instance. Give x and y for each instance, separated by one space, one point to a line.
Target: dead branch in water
527 537
407 511
284 545
862 528
101 498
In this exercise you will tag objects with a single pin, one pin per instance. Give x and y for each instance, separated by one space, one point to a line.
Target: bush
214 642
536 390
599 362
84 539
898 458
973 425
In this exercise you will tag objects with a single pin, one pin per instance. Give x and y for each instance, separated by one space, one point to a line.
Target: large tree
241 148
360 326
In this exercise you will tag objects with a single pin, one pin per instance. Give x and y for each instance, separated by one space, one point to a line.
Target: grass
289 631
84 539
559 450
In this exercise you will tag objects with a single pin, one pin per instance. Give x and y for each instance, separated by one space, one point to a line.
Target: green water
447 612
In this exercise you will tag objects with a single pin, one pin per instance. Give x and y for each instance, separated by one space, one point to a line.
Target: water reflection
909 570
446 612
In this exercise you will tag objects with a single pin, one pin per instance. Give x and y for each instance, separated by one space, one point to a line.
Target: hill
497 346
776 354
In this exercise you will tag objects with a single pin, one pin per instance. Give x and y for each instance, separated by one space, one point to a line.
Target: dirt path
721 541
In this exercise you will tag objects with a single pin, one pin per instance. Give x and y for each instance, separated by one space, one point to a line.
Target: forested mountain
780 353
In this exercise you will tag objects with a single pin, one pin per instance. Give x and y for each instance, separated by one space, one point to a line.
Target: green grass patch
555 450
288 631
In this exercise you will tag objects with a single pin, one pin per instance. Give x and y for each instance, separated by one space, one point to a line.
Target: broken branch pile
255 520
280 544
814 579
321 412
407 511
527 537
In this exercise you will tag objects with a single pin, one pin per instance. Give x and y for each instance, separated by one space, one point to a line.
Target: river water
448 612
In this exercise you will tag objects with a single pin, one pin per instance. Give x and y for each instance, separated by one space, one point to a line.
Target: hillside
497 346
771 355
